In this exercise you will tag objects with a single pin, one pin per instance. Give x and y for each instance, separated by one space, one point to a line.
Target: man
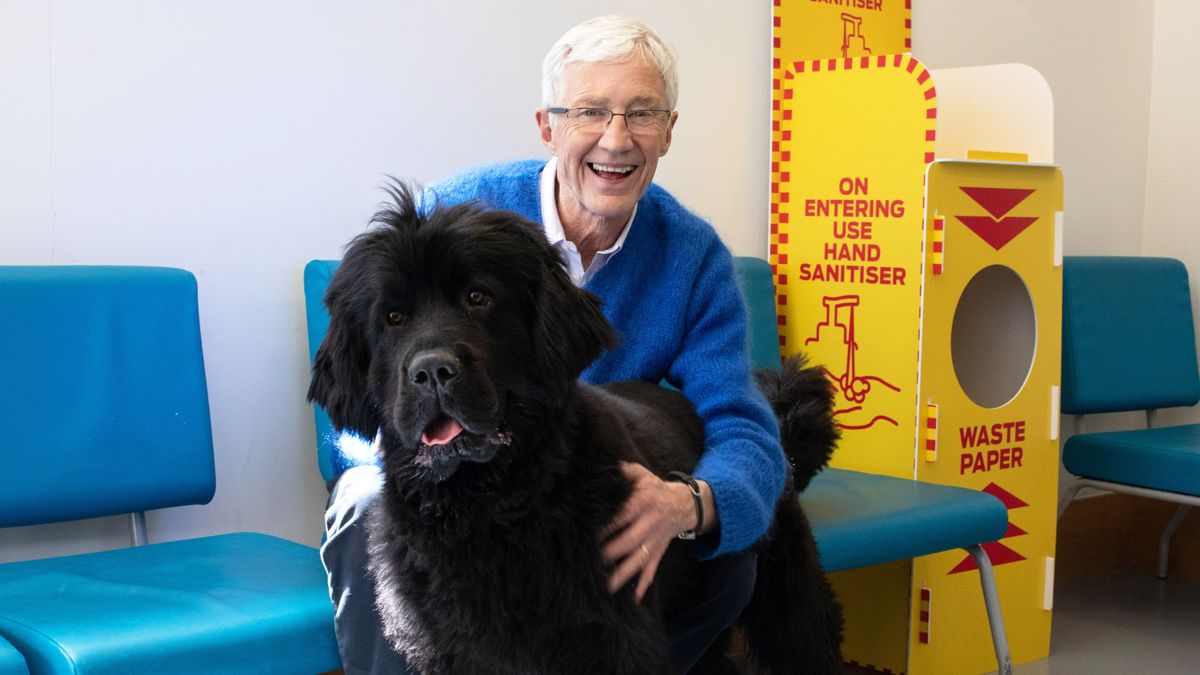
609 93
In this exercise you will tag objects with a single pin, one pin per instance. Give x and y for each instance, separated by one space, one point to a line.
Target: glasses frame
560 110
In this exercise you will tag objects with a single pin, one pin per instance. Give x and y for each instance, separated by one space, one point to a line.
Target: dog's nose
433 368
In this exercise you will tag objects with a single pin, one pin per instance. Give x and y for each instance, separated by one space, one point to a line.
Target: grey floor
1128 623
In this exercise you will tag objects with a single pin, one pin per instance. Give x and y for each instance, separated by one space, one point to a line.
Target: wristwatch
682 477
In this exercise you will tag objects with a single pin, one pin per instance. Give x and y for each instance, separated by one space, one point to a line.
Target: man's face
602 174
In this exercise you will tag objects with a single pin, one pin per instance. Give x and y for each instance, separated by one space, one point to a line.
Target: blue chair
11 661
317 274
105 412
1129 345
858 519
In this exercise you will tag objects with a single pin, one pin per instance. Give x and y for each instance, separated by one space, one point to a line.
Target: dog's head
447 326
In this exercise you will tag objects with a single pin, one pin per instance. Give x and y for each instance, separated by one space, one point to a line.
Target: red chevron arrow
997 230
998 553
997 201
1010 500
996 233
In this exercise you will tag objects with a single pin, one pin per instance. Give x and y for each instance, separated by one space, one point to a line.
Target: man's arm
742 470
742 463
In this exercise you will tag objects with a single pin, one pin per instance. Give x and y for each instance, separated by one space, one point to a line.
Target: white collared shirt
558 238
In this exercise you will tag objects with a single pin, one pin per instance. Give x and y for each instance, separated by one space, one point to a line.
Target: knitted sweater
671 296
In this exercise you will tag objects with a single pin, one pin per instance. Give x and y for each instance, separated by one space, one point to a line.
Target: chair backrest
758 288
103 402
753 276
1128 338
317 274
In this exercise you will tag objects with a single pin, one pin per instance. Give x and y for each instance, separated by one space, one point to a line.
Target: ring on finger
645 554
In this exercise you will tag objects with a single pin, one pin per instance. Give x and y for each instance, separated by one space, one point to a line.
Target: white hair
608 39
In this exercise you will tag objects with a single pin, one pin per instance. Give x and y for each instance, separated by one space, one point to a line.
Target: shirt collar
550 220
553 224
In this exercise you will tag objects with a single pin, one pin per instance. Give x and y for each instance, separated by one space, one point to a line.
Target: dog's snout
433 368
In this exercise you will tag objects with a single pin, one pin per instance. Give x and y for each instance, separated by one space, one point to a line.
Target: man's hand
654 514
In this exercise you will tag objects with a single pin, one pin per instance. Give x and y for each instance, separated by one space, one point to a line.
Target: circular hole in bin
993 337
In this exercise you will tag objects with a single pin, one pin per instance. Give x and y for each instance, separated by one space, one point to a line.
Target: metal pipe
991 600
1164 540
137 528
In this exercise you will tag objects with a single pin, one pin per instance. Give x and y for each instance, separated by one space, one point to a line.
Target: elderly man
609 92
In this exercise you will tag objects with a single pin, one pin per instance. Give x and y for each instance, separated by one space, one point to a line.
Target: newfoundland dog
457 336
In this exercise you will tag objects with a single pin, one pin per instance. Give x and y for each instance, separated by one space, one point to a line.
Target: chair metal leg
137 528
1164 541
1073 486
991 601
1072 489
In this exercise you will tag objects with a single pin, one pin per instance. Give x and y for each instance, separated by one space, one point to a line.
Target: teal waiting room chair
104 409
1129 345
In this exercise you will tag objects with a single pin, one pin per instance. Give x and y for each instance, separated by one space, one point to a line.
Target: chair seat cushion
1167 458
862 519
11 661
233 603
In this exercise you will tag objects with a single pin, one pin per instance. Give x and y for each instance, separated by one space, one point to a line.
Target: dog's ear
569 330
340 369
339 374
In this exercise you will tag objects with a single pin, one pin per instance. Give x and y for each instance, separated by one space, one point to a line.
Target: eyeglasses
598 119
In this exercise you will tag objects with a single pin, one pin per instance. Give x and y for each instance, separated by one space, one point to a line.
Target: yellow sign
930 292
847 194
990 358
826 29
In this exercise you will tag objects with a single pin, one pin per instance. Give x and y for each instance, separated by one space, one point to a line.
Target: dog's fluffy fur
485 548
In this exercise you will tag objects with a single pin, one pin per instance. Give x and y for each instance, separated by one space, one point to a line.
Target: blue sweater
672 297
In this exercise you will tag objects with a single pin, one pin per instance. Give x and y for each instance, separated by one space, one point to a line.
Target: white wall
240 140
1172 221
1096 58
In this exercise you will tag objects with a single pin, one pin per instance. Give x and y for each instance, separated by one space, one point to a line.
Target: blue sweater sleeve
512 186
742 462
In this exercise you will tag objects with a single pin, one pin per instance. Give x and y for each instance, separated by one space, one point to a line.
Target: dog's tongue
441 432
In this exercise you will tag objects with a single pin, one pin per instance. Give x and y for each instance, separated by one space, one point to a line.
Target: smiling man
609 89
604 166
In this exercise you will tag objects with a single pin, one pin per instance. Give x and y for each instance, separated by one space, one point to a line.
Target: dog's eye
395 318
477 298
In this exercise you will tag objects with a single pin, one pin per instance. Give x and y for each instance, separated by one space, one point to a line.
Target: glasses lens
590 119
645 120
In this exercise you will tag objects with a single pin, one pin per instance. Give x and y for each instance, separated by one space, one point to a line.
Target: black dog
459 338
